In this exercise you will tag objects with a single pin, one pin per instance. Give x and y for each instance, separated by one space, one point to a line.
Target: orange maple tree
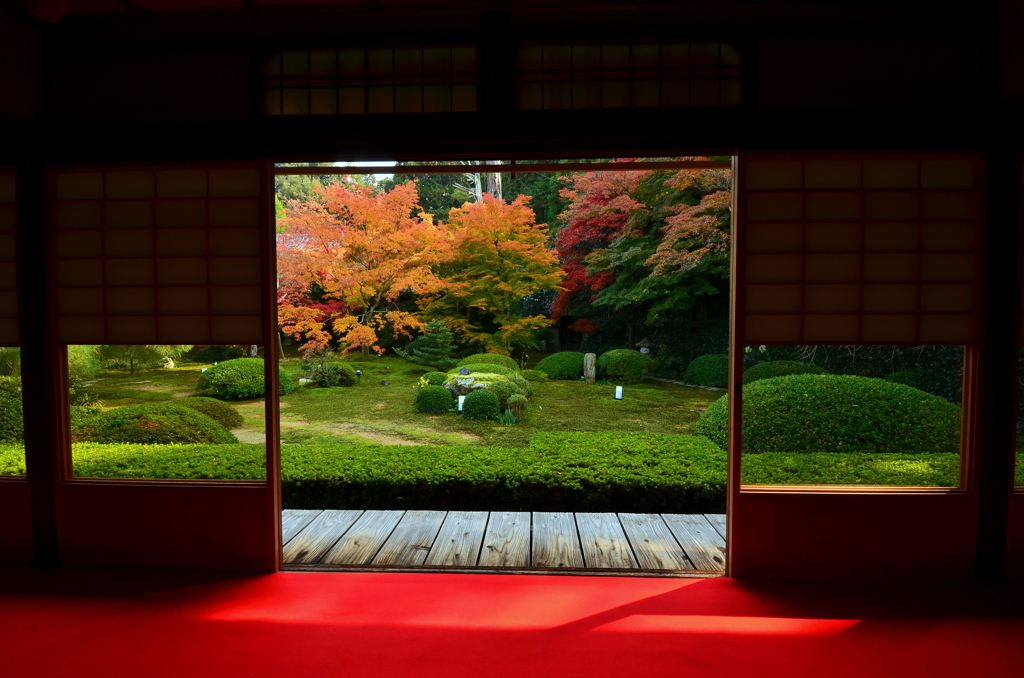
346 257
499 255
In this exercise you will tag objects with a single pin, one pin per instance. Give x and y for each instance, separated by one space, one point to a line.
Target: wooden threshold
643 544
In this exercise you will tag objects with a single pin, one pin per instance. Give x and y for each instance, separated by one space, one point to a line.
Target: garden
433 356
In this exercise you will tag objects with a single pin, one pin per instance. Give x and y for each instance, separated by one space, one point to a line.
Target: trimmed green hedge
708 370
488 368
564 365
490 359
832 413
154 424
239 379
780 368
855 468
12 422
218 410
434 399
623 365
481 405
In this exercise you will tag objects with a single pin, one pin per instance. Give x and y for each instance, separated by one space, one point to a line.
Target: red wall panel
16 521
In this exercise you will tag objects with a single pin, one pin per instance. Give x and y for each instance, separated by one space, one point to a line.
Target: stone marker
464 371
590 368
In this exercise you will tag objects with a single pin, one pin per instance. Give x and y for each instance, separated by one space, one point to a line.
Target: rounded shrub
779 368
216 354
12 422
517 403
708 370
836 413
435 378
490 359
154 424
218 410
534 375
503 389
330 375
623 366
239 379
487 368
908 378
481 405
525 387
563 365
433 399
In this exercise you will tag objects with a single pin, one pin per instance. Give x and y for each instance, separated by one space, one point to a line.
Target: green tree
141 355
434 348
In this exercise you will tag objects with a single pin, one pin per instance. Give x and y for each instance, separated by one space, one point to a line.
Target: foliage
463 384
563 365
10 361
499 255
433 379
12 418
855 468
490 359
434 348
239 379
534 375
831 413
525 387
83 362
156 424
333 374
216 353
780 368
503 390
489 368
138 355
480 405
708 370
346 258
907 378
517 402
623 366
434 400
506 418
222 413
679 341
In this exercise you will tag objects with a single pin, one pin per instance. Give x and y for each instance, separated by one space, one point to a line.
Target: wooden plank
507 540
653 544
363 540
555 541
319 536
409 544
717 521
458 542
603 541
700 540
294 520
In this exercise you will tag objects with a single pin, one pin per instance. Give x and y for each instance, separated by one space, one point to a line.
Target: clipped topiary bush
622 366
218 410
330 375
833 413
481 405
463 384
433 400
12 422
564 365
908 378
708 370
503 389
489 368
490 359
525 387
534 375
517 403
155 424
239 379
434 378
779 368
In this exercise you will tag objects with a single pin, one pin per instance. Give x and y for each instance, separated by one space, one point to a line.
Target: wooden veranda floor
475 540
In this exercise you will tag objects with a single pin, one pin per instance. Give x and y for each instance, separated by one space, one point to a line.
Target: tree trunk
131 365
364 352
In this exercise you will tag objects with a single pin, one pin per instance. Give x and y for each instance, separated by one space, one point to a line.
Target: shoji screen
158 255
9 330
164 255
853 249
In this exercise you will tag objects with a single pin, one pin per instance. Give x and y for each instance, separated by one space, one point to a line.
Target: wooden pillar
42 365
996 380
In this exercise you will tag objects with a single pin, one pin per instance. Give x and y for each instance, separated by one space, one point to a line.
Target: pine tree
433 349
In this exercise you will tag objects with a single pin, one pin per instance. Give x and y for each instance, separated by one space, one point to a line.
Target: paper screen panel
561 75
860 250
158 255
9 322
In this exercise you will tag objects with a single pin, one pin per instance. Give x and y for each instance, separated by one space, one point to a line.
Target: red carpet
147 624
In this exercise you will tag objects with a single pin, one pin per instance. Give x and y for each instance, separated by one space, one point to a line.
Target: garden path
504 540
